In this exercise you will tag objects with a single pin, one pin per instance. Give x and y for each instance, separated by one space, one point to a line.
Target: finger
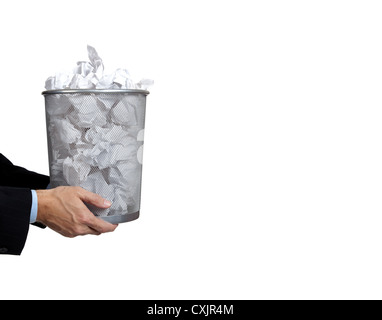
99 225
82 230
90 230
93 198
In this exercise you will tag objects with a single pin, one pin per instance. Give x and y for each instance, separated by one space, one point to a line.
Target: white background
262 165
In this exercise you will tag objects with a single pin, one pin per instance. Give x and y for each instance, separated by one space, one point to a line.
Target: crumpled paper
90 75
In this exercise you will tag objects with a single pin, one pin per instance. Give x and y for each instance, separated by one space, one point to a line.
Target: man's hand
63 210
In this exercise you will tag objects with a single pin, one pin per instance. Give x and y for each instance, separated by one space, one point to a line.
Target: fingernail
107 203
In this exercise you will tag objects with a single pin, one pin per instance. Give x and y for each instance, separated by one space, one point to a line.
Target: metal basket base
121 218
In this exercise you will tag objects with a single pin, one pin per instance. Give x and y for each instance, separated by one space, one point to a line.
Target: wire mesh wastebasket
95 141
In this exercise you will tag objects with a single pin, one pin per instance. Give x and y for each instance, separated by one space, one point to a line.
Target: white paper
75 170
65 132
90 74
124 114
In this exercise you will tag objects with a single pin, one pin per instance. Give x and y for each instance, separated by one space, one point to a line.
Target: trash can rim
97 91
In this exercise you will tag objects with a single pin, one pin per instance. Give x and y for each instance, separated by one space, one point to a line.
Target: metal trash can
95 141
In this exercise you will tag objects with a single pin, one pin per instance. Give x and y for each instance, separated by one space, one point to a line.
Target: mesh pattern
95 141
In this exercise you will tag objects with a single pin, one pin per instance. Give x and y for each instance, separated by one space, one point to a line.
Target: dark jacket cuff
15 206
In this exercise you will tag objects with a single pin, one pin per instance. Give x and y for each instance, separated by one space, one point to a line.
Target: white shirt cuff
33 216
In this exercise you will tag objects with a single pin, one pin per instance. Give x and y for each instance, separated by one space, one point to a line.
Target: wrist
44 199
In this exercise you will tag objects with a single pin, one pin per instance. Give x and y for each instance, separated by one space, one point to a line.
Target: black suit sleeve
14 176
15 204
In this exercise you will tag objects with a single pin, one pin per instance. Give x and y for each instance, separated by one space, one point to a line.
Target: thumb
94 199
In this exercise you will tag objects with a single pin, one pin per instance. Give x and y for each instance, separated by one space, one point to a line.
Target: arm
15 204
62 209
18 177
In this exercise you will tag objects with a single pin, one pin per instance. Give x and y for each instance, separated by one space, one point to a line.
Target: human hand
63 210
